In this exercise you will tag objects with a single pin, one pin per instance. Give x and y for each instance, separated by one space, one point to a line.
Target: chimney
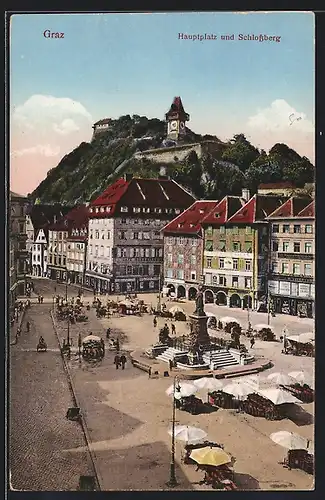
128 177
245 194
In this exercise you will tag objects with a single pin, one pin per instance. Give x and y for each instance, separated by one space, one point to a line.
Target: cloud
66 127
278 117
45 150
51 113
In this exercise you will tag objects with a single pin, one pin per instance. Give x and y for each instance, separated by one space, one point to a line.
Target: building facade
19 264
236 251
291 283
125 247
183 250
77 240
57 250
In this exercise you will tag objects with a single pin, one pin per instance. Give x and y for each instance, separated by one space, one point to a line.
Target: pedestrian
42 298
28 326
117 360
154 322
123 361
18 331
170 364
173 329
108 332
149 371
252 341
117 344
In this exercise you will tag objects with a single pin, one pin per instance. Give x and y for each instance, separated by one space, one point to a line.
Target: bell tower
176 119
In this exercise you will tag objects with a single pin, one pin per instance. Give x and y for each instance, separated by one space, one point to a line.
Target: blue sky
114 64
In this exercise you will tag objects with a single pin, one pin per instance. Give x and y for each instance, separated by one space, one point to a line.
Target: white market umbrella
307 337
126 303
211 384
262 326
176 309
228 319
278 396
91 338
182 391
239 390
290 440
251 380
302 377
188 433
210 315
280 378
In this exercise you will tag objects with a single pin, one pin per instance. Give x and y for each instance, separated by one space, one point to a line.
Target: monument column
199 335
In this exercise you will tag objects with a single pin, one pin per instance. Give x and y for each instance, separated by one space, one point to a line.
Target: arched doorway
171 289
181 292
192 293
235 300
208 297
247 302
221 299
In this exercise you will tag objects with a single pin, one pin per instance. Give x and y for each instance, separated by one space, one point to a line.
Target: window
235 281
307 269
296 268
170 240
236 246
248 230
285 268
209 262
131 252
235 230
308 247
181 240
222 280
193 259
146 235
124 209
222 245
91 234
97 234
274 267
193 242
102 251
221 263
180 259
286 228
248 246
285 246
169 258
308 228
235 264
108 235
123 221
248 265
136 210
180 274
222 229
275 228
193 275
248 282
153 252
135 236
209 245
209 230
296 246
296 228
170 273
275 246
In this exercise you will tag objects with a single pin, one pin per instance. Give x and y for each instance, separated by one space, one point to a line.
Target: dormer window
217 215
108 209
201 211
191 225
91 210
177 211
96 210
102 209
124 209
136 210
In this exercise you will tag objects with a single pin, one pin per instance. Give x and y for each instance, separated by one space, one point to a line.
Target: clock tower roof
176 111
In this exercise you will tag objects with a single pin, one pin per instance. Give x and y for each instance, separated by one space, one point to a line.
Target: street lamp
172 478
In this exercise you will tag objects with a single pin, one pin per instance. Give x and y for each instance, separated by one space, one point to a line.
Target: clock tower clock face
173 125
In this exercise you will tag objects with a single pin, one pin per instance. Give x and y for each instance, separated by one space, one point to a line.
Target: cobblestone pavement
39 398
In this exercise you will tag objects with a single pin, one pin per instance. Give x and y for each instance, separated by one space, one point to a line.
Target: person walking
173 329
117 344
42 298
108 333
170 364
123 361
117 360
252 341
154 322
18 331
28 326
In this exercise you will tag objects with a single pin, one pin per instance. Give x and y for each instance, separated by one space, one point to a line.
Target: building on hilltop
102 126
291 283
183 250
176 119
276 188
125 246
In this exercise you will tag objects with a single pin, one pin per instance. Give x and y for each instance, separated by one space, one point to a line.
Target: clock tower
176 119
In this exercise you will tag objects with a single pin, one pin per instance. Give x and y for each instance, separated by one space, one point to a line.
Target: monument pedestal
199 332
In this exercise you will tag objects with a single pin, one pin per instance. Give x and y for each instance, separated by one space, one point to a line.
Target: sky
108 65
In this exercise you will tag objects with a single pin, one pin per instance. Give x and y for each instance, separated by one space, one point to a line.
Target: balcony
295 256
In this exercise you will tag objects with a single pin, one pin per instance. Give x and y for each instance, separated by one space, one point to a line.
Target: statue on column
199 302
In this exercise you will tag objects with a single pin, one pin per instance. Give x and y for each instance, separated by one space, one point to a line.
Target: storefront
294 298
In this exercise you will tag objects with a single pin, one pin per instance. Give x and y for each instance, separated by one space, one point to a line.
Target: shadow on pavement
246 482
299 416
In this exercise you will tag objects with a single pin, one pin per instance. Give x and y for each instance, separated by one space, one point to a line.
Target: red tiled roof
189 221
276 185
149 193
223 210
256 209
308 211
291 207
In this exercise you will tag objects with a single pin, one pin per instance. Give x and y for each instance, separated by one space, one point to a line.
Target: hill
85 172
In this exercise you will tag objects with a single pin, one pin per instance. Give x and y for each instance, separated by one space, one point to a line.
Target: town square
161 264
